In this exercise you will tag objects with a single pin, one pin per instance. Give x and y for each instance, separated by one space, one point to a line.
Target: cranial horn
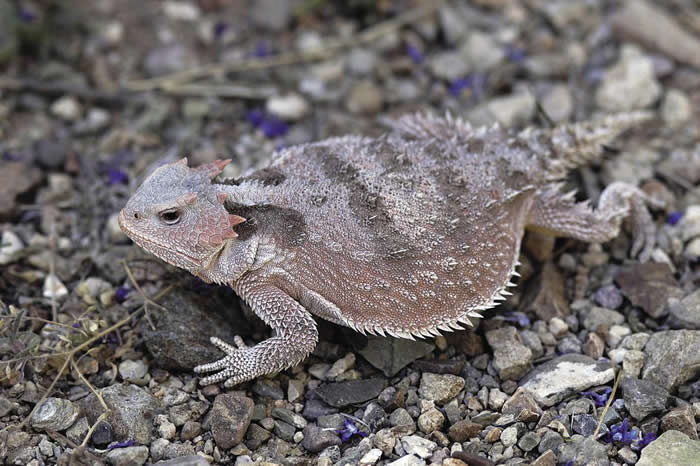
213 169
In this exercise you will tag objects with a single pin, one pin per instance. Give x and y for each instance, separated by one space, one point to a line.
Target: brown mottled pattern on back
402 229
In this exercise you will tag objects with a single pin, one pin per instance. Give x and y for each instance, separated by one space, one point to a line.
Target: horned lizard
407 234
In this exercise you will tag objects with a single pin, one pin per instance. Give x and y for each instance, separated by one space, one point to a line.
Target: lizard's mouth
165 252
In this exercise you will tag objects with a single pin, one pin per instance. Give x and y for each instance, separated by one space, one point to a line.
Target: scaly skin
408 234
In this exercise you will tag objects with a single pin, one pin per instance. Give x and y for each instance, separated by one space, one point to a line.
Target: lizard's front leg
295 337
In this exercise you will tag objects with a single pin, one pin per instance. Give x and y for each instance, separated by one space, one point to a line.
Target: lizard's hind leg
559 214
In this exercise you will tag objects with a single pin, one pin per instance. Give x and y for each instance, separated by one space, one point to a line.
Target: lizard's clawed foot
231 367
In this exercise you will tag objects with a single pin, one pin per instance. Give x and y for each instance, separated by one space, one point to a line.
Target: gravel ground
593 360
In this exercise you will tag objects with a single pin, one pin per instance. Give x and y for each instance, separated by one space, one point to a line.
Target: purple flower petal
273 127
475 83
675 217
255 117
517 317
219 29
116 176
128 443
414 53
121 294
515 54
261 49
348 430
600 399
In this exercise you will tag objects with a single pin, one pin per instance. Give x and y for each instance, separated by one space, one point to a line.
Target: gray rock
430 421
390 355
256 436
289 417
365 97
418 446
229 419
401 418
548 458
649 286
643 397
521 400
647 23
189 460
676 108
509 436
558 104
284 431
630 84
266 389
632 363
127 456
636 341
11 247
672 447
362 61
440 388
272 15
685 313
463 430
168 58
672 358
55 414
585 424
133 410
342 394
189 321
529 441
292 107
133 370
448 65
408 460
512 359
509 111
317 439
481 51
599 316
78 430
681 419
627 455
8 31
453 24
591 452
608 297
572 373
550 441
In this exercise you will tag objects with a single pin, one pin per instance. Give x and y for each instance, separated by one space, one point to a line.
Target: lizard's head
178 215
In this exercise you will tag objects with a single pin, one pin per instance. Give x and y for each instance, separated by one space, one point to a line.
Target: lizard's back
404 234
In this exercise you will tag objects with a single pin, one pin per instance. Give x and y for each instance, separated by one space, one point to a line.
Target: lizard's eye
170 216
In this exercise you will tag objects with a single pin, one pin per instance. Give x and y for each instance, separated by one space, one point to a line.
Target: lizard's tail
576 144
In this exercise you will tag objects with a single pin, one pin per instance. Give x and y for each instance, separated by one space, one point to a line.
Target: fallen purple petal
219 28
261 49
414 53
121 294
128 443
348 430
117 176
255 117
599 398
273 127
675 217
517 317
515 54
